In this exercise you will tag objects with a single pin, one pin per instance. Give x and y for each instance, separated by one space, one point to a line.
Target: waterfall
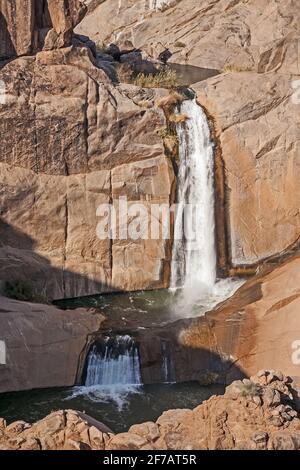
114 361
159 4
194 252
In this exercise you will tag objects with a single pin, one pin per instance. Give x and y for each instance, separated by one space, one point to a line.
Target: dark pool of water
117 408
189 74
146 309
133 309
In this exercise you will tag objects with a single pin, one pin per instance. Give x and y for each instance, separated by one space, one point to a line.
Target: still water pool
116 407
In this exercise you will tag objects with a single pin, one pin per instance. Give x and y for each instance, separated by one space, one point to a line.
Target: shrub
178 118
22 290
163 79
249 389
179 44
236 68
170 141
170 101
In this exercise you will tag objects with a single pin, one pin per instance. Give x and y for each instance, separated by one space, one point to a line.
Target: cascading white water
194 258
117 363
159 4
194 252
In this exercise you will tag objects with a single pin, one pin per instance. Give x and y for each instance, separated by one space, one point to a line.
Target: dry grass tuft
163 79
236 68
178 118
171 100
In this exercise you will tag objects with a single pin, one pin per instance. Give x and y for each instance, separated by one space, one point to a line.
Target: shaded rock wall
43 344
70 142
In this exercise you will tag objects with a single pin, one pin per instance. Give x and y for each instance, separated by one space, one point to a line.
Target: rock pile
259 413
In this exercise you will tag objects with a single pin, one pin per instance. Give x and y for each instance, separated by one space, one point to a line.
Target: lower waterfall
115 361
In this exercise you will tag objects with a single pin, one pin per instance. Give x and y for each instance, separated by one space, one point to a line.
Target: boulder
36 337
29 26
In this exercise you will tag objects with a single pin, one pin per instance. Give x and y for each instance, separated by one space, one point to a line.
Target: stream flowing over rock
255 45
72 140
255 414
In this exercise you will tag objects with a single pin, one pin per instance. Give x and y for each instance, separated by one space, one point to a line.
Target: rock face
71 142
41 346
257 127
31 25
253 106
258 34
256 414
258 327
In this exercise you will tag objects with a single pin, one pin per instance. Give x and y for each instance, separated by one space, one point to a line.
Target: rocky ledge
259 413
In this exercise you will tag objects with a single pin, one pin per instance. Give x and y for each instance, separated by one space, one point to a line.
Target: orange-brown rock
257 128
42 346
258 328
260 35
28 26
256 414
252 105
70 142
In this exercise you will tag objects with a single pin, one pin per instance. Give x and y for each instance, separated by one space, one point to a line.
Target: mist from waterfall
194 257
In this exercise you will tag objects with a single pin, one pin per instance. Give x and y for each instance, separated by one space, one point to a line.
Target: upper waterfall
194 249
